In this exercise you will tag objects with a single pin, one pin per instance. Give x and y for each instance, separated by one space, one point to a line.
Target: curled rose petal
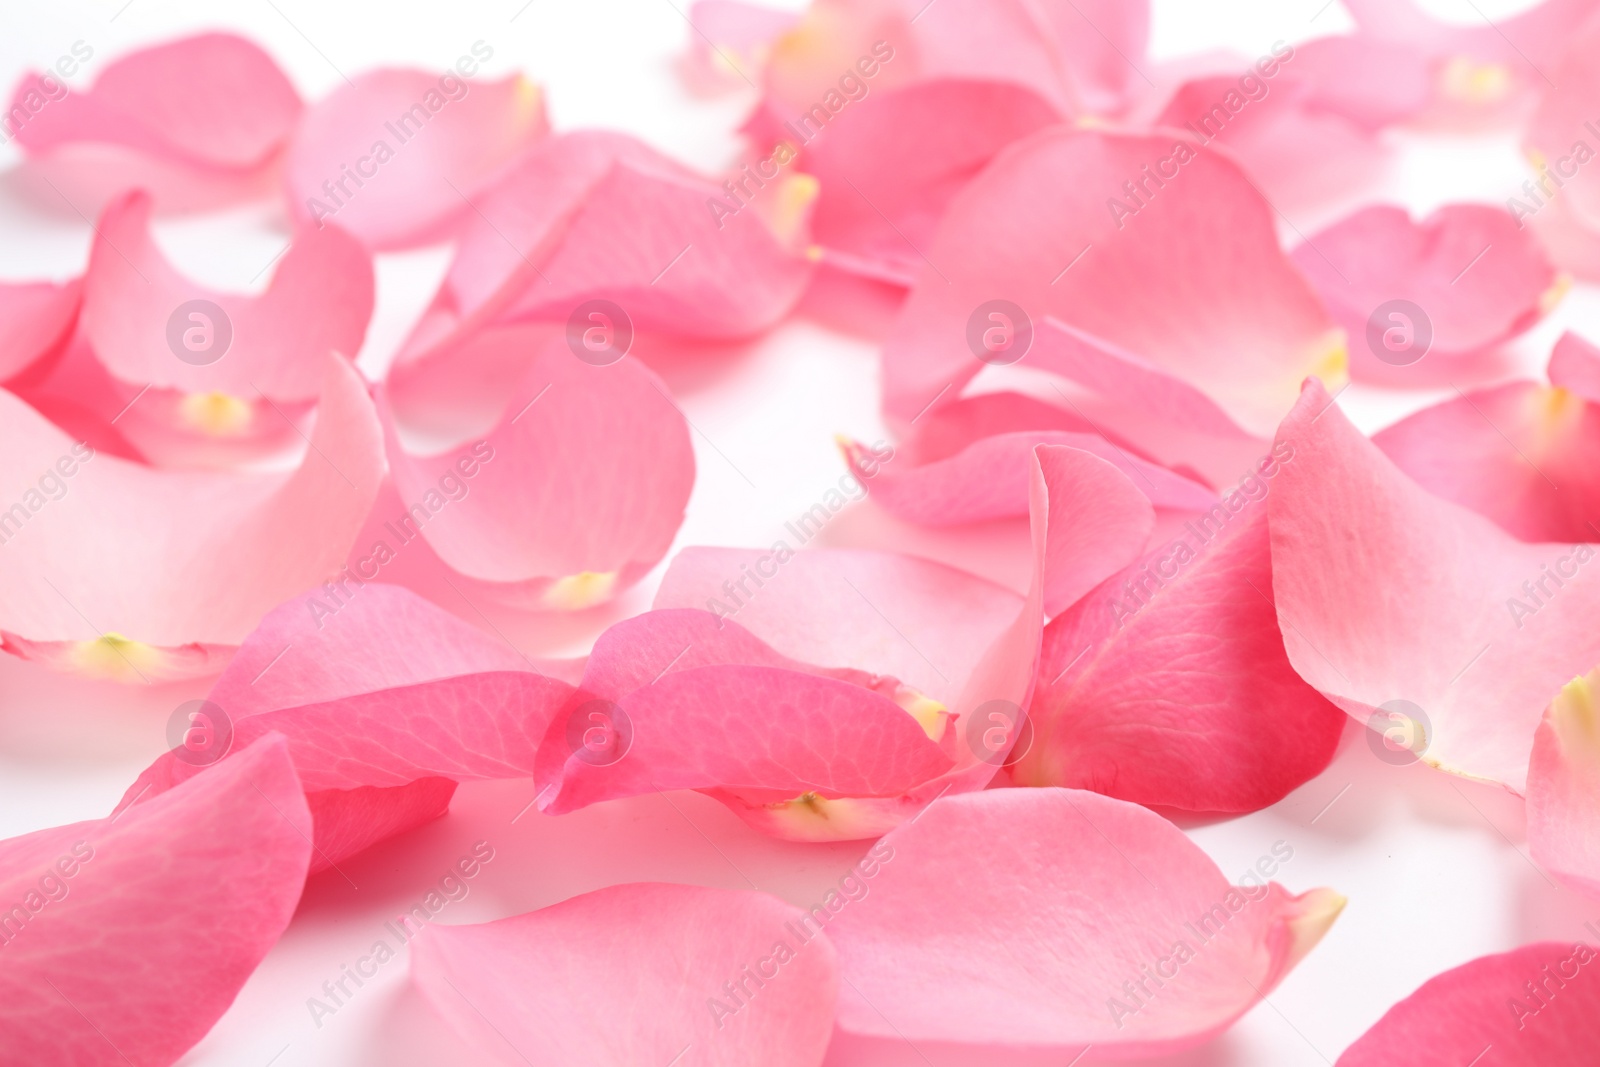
1416 616
1564 786
570 495
1153 688
1119 933
1521 454
386 702
35 322
1190 282
676 955
115 569
398 156
127 938
1533 1006
1451 286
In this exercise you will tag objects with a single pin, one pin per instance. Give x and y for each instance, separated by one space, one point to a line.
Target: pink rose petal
35 322
1564 787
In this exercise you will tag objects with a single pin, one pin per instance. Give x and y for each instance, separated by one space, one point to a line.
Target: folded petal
35 321
573 493
524 988
599 223
1521 454
1414 614
1523 1004
396 156
1564 786
128 937
386 702
1186 277
1575 366
220 366
112 568
973 934
1462 280
210 101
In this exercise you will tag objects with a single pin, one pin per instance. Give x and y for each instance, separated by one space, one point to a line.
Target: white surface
1435 868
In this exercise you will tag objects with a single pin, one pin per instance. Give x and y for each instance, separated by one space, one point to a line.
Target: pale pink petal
35 321
1414 614
1575 366
1564 787
1035 918
1560 138
1154 687
397 156
386 702
572 494
128 563
167 909
1472 277
152 327
1192 284
1521 454
1486 1004
600 216
210 101
732 39
637 974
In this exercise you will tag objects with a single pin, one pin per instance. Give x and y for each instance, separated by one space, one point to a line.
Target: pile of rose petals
1216 570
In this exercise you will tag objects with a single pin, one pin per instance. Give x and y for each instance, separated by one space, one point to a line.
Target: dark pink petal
1415 614
1564 787
1478 279
637 974
1154 687
1485 1009
386 702
1575 366
570 495
143 574
397 156
168 908
1031 918
1191 285
1521 454
274 346
597 215
35 321
210 101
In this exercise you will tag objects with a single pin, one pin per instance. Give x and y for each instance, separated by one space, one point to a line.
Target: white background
1435 868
